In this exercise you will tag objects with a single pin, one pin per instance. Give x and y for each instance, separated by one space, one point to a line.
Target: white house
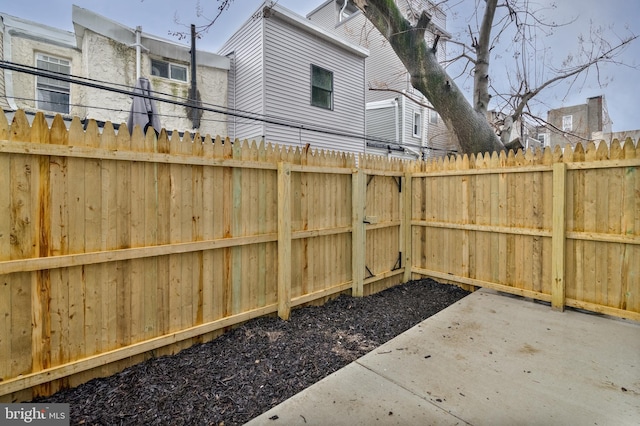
105 52
412 129
294 83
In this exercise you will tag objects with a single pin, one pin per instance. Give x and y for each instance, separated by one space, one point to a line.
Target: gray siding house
294 83
394 122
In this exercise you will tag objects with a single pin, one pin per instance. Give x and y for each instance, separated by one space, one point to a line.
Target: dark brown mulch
256 366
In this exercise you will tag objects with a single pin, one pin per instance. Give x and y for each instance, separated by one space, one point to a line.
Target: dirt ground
256 366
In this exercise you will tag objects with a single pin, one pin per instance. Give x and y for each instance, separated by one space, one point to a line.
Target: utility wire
245 115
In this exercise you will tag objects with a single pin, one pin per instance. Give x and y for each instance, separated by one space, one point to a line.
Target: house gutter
344 6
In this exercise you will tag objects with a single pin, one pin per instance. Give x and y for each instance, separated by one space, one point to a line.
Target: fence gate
383 235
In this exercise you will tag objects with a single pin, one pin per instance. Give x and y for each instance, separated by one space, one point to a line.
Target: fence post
284 240
407 245
358 236
558 237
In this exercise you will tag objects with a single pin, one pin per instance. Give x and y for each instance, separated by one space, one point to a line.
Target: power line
245 115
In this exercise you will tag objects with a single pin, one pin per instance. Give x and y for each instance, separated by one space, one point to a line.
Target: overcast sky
159 17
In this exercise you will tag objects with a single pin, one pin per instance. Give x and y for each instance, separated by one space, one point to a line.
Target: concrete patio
490 359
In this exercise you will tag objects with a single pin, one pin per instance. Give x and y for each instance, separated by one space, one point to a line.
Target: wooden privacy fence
116 247
561 227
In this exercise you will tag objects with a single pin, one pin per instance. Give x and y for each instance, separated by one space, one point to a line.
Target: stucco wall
115 62
23 51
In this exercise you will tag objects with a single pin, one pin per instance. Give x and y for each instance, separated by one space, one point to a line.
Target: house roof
305 25
33 30
84 19
435 28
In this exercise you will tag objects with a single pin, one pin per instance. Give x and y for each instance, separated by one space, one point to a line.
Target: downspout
231 96
138 51
195 122
344 6
8 74
364 97
425 126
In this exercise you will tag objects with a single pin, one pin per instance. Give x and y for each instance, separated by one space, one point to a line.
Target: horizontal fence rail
118 247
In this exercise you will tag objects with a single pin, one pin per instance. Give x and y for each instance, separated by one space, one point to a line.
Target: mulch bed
256 366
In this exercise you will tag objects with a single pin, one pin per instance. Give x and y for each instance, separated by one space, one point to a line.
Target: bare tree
510 20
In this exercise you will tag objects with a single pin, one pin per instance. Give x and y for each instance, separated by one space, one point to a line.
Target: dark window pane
53 101
160 69
321 87
178 73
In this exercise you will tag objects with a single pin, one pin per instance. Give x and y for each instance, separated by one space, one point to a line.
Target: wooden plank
481 283
76 240
123 241
5 254
261 267
236 215
33 379
175 237
209 219
284 240
23 242
41 291
109 240
485 228
186 219
407 230
630 222
94 298
28 148
558 237
135 296
64 261
358 241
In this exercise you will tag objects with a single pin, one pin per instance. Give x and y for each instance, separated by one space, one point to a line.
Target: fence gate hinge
398 263
398 180
371 274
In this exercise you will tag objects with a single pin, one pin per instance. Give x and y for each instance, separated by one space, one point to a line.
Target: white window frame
417 124
567 123
544 138
170 67
51 85
327 90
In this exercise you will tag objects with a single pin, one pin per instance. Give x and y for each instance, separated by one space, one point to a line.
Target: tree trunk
427 75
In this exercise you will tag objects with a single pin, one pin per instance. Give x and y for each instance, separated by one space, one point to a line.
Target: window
433 117
417 124
168 70
543 138
52 94
567 123
321 87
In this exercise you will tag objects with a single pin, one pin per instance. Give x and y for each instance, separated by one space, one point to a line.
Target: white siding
289 54
381 123
325 16
385 70
246 86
